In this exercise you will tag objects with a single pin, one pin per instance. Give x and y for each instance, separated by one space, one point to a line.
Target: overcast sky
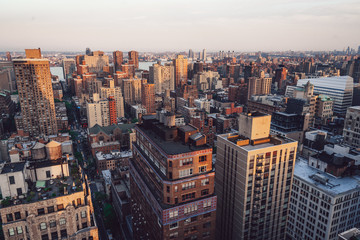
159 25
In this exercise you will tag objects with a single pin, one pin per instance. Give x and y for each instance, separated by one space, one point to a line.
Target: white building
340 89
321 205
202 104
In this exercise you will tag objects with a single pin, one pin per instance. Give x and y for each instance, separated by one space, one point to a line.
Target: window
48 175
190 208
170 163
51 209
44 237
60 207
173 213
78 201
63 233
188 185
206 215
186 172
205 182
19 230
185 162
12 180
54 236
9 217
204 192
202 169
52 223
174 225
84 225
17 215
11 232
62 221
42 226
41 211
202 158
168 189
207 203
83 214
188 196
19 191
176 188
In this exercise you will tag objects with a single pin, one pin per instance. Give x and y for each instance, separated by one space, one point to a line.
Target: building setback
172 182
253 181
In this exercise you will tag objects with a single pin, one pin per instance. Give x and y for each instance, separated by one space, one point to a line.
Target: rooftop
13 167
46 189
334 186
110 129
336 82
171 147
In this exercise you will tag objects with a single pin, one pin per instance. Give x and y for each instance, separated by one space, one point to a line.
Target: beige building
97 111
162 77
111 90
49 207
96 61
254 172
33 79
352 127
259 86
180 71
132 90
205 80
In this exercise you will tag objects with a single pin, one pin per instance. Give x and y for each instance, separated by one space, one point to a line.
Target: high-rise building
148 97
97 111
118 60
280 76
88 51
33 79
162 77
132 90
191 54
253 181
352 127
69 67
180 65
172 182
258 86
340 89
116 93
203 56
112 110
134 59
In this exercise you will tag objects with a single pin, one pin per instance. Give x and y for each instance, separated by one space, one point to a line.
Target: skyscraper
8 56
162 77
172 182
134 58
204 55
191 54
148 97
33 79
180 64
118 60
253 180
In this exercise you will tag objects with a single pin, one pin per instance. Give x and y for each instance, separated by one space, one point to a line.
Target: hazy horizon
160 26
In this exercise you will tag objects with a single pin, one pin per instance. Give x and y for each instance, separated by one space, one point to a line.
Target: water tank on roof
38 151
53 150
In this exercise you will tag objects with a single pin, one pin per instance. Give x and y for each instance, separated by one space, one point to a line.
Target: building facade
33 79
253 181
171 183
351 130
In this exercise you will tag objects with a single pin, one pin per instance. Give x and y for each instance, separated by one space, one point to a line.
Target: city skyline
245 26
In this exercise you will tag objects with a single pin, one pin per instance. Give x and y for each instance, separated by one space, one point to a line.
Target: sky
172 25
